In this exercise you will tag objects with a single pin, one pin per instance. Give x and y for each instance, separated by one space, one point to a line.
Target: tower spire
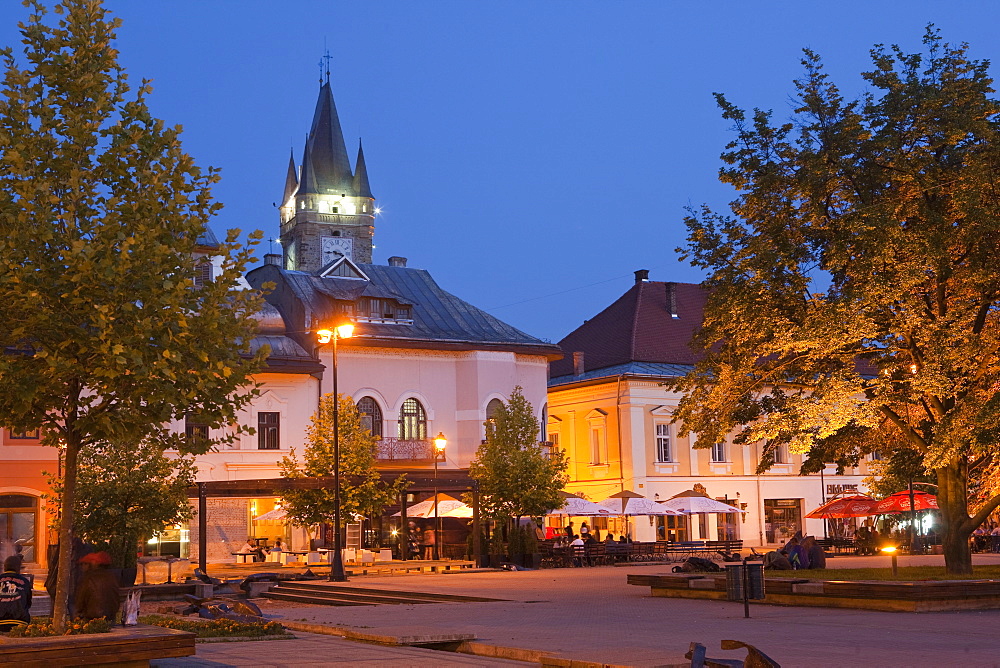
361 187
291 179
331 168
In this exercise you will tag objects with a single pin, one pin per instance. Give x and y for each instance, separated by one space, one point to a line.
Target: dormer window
371 309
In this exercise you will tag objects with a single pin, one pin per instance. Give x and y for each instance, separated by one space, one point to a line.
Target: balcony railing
393 449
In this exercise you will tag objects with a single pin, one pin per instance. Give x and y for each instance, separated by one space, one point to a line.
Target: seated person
279 545
15 595
250 547
97 593
610 538
623 539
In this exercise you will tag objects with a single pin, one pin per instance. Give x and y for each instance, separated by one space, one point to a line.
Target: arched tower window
412 420
371 415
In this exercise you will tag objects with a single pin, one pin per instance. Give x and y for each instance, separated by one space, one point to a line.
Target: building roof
652 323
330 166
439 318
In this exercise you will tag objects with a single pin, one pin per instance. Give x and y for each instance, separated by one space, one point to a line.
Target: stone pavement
591 614
309 649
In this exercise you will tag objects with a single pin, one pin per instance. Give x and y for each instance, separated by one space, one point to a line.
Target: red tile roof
638 327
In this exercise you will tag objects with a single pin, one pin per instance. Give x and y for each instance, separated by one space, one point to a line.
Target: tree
853 291
516 477
126 492
362 491
107 338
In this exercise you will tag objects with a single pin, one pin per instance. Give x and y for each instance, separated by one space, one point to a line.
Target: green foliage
516 477
854 299
362 491
43 627
127 492
216 628
100 216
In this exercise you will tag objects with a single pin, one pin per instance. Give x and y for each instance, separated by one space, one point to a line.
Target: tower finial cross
327 57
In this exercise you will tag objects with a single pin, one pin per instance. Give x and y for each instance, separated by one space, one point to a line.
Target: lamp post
440 442
891 550
324 336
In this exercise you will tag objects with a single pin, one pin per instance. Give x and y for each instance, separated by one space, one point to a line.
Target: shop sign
840 489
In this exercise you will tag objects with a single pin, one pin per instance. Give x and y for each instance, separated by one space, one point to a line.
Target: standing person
569 531
15 595
97 595
429 541
584 530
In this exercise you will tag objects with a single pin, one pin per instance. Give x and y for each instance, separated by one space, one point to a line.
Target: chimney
642 276
273 258
672 299
396 261
578 368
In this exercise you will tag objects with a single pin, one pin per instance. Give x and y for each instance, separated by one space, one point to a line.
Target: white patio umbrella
698 505
691 502
446 506
630 503
574 506
272 515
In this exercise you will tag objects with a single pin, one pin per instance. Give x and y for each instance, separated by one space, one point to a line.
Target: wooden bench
130 646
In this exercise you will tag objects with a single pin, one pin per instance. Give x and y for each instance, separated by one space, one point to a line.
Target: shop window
268 431
672 527
412 421
782 519
371 416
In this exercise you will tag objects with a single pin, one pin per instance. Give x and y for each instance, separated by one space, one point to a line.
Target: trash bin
755 581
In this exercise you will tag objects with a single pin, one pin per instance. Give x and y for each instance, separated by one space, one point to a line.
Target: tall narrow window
203 273
371 415
268 431
492 409
597 445
719 452
780 454
195 428
412 421
663 452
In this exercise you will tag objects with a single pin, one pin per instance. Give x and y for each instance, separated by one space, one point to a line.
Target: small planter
497 560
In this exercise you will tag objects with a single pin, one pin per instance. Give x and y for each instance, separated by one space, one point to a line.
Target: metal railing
394 449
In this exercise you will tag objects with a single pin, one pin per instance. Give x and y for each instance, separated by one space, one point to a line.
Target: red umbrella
900 503
848 506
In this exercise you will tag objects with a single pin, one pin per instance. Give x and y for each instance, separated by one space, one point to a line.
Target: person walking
15 595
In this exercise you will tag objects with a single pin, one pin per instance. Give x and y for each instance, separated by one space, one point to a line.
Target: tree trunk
953 499
60 607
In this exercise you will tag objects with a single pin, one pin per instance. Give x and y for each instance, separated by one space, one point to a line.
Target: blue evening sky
531 155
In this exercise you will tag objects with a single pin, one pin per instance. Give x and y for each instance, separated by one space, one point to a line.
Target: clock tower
327 209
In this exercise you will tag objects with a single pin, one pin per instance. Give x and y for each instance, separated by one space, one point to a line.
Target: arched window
492 409
412 421
371 415
18 523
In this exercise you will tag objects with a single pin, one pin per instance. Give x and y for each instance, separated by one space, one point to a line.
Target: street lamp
324 336
891 550
440 442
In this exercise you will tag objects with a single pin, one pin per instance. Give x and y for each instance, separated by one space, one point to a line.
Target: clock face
334 247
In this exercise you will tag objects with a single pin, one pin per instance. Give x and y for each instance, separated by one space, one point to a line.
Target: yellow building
608 409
